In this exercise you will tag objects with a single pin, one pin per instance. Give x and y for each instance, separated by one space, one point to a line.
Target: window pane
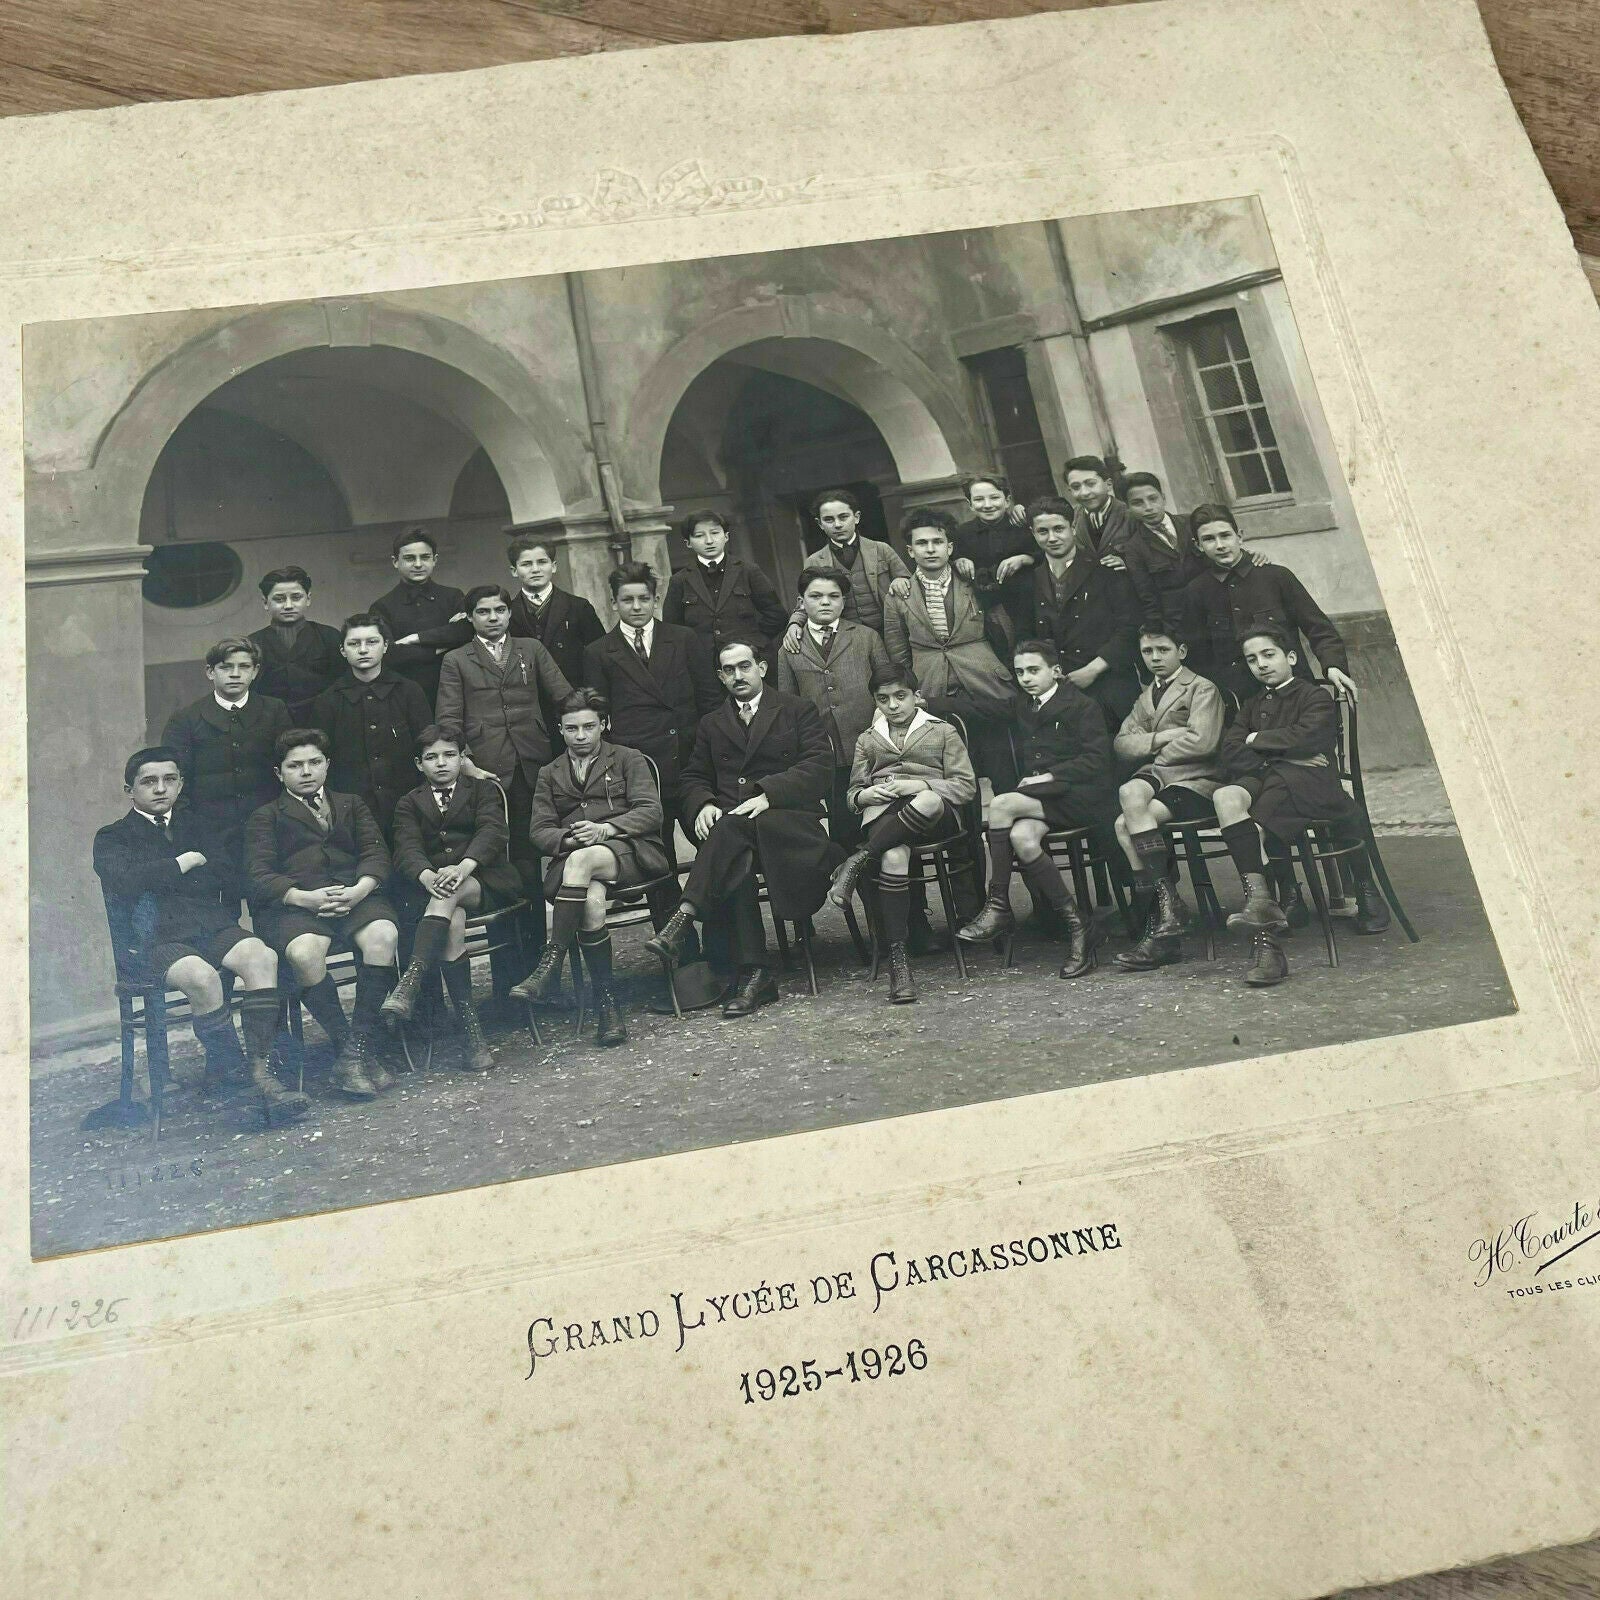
1221 388
1280 478
1247 376
1264 427
182 576
1249 476
1209 343
1235 432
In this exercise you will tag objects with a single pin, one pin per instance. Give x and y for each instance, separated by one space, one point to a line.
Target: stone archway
926 427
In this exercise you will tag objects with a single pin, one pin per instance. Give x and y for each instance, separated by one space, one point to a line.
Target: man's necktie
638 645
747 711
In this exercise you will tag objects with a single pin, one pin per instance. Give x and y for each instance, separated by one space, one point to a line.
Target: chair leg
783 941
863 954
947 898
802 936
1381 873
1076 859
1310 866
1205 893
125 1096
156 1058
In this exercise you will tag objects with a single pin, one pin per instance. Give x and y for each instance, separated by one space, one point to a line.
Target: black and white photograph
488 730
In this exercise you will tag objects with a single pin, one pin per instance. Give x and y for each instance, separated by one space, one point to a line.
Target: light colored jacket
960 664
932 751
1192 706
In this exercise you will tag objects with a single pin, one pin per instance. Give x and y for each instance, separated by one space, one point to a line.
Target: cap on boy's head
413 536
843 496
223 648
811 575
1267 628
271 580
148 757
437 733
586 699
293 738
1213 511
1141 480
1051 505
891 675
481 592
928 517
1085 464
632 572
1038 647
971 480
695 518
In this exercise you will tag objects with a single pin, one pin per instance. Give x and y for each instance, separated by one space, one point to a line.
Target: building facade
174 458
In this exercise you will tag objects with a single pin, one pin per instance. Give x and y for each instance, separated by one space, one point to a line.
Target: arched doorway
757 445
313 459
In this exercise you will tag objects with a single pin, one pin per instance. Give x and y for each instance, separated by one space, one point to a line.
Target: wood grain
62 55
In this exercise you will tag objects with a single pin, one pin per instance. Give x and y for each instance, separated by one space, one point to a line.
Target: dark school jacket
1091 612
1067 738
373 729
424 609
655 708
226 763
285 847
474 825
746 603
784 754
297 673
566 626
501 709
1296 730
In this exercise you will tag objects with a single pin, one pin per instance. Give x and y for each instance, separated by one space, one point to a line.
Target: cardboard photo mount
1284 1368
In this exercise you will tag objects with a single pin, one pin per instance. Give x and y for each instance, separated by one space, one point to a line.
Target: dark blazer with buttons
746 603
424 609
1115 527
785 755
1091 612
500 708
373 729
227 768
1068 739
618 788
838 686
286 848
138 866
655 708
568 626
474 825
297 673
1159 572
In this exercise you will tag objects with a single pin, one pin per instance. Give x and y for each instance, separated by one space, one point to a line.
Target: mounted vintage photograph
488 730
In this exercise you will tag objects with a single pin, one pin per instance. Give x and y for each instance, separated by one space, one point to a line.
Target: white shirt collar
754 705
1044 699
154 820
880 725
629 632
535 599
496 648
231 705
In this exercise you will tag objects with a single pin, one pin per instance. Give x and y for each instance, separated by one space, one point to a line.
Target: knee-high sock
1151 848
595 943
426 948
1000 859
567 917
215 1031
894 906
372 984
1244 845
458 981
323 1002
904 825
1044 878
258 1011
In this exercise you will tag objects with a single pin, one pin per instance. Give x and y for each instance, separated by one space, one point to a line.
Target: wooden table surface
66 55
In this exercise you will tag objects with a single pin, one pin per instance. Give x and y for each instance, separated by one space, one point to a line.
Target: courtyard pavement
845 1056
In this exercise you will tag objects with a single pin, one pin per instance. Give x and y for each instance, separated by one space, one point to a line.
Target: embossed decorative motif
683 189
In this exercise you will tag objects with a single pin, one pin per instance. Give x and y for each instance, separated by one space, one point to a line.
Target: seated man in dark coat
316 864
754 785
1067 782
597 816
1281 777
1087 609
450 862
153 861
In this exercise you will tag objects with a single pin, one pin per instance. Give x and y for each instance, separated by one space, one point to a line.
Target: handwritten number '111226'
858 1366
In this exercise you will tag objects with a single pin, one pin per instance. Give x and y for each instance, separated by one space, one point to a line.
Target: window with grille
1231 409
1018 438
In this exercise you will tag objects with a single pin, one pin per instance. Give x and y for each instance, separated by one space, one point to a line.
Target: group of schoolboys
1128 632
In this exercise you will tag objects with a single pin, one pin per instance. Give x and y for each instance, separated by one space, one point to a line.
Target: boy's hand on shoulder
900 588
791 638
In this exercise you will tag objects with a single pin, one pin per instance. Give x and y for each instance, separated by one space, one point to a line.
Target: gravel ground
843 1057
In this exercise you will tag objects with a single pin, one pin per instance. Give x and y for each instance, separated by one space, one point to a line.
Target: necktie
638 645
1038 702
747 710
166 826
1157 689
319 809
441 798
825 643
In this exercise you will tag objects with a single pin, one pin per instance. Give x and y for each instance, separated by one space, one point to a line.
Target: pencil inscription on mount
683 189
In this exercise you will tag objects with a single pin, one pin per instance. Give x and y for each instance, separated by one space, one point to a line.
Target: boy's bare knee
1135 793
897 860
